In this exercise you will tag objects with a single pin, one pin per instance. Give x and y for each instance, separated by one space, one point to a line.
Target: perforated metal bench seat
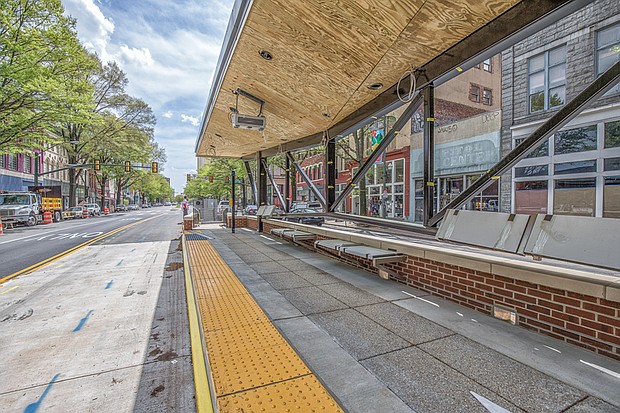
333 244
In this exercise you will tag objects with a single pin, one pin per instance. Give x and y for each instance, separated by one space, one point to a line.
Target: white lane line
474 320
421 299
603 369
247 229
270 239
553 349
461 315
43 233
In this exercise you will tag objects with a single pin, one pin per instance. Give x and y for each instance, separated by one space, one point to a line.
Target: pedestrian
185 205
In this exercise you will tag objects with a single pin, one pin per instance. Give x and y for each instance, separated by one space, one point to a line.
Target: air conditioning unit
248 121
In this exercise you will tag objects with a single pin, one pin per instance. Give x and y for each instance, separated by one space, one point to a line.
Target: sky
168 49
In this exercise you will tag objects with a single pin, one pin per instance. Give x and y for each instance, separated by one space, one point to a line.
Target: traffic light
127 166
97 165
189 177
154 167
210 178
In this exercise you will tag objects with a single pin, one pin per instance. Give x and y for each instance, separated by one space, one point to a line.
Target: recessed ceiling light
265 55
375 86
327 115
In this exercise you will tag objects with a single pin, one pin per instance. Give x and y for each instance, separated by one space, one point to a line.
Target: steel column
573 108
361 173
308 181
287 184
330 173
429 152
262 181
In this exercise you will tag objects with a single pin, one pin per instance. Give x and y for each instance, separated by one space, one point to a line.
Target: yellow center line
56 257
10 289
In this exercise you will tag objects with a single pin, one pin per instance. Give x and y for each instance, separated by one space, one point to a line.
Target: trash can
188 222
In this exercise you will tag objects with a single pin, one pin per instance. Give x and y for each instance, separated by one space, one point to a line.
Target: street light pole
36 169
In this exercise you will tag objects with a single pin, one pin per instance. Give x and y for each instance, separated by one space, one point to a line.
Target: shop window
612 164
487 97
575 140
612 134
607 46
541 150
399 170
488 199
547 79
474 93
575 197
578 167
611 197
370 176
536 170
27 164
531 197
419 200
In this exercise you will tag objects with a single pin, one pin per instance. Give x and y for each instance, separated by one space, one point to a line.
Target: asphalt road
104 326
22 247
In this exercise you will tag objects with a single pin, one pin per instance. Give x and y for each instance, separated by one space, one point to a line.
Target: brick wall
583 320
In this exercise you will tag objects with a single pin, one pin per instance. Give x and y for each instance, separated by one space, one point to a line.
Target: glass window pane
557 96
557 56
399 203
611 197
541 150
390 168
374 190
419 189
399 188
537 170
531 197
612 134
537 82
575 197
612 164
575 167
399 166
557 75
370 176
536 63
608 36
575 140
537 102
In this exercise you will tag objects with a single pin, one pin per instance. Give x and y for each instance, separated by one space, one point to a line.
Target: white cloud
186 118
168 115
140 56
93 27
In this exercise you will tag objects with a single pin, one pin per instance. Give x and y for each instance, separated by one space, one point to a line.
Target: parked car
121 207
251 210
93 209
305 220
167 204
132 207
221 207
310 204
74 212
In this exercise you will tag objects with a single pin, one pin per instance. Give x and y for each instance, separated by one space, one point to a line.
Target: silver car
93 209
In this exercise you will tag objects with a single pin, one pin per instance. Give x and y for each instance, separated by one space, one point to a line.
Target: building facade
576 171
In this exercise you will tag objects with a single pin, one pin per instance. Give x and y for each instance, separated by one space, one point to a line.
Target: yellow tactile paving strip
254 368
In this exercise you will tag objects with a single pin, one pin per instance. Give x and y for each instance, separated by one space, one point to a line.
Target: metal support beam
308 181
573 108
330 173
248 169
429 152
273 182
287 184
262 181
361 173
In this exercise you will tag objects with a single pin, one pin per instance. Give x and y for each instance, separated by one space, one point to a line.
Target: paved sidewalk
381 346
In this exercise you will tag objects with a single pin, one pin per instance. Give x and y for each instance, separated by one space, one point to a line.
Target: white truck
20 208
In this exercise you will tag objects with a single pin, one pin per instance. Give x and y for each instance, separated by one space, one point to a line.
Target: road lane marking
10 289
553 349
33 407
488 404
421 299
460 315
603 369
82 321
58 256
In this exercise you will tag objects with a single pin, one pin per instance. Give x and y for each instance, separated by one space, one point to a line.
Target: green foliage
43 73
153 186
219 169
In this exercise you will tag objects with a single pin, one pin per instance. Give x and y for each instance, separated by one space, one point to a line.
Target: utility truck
28 207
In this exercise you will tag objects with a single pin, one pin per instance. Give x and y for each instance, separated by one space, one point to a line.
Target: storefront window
541 150
536 170
450 189
419 200
531 197
399 170
487 200
575 140
574 167
612 164
612 134
575 197
611 197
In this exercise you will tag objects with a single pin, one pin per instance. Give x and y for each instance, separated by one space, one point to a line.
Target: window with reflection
611 164
575 140
611 197
578 167
608 51
547 79
541 150
612 134
575 197
535 170
531 197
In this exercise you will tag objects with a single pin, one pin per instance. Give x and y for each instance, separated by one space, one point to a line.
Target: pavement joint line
62 254
387 352
267 385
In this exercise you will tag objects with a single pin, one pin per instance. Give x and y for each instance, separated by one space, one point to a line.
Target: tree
219 169
42 66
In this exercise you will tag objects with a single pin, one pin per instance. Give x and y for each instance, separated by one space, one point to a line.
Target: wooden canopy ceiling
327 53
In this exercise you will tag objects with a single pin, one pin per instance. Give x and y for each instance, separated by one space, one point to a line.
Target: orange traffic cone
47 217
1 232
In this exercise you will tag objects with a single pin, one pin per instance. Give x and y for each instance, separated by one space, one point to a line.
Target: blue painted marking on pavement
33 407
107 287
82 322
119 263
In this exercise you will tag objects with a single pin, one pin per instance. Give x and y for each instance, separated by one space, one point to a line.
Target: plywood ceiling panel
325 53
